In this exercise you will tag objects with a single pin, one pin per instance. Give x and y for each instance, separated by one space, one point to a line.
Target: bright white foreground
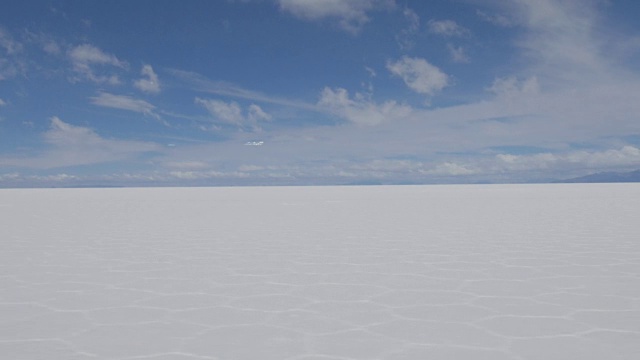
417 272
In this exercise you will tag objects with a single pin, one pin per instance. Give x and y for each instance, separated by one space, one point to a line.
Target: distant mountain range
606 177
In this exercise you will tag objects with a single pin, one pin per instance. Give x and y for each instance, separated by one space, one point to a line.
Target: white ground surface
323 273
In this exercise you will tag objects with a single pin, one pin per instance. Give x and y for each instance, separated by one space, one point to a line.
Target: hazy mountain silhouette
606 177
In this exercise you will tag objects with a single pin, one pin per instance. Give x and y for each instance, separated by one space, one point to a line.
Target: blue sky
316 92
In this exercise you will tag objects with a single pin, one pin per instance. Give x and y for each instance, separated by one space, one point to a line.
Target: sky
304 92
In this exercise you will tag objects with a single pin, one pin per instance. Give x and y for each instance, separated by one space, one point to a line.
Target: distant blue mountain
606 177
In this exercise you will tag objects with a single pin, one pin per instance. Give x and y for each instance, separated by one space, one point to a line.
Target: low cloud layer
70 145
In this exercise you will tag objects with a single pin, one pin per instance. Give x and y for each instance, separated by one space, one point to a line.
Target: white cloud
458 54
255 113
89 54
419 75
3 103
71 145
405 38
226 112
511 87
124 103
413 19
67 135
10 46
150 82
11 63
519 167
210 174
360 110
413 170
231 112
45 42
51 47
85 58
451 168
351 15
495 19
569 44
10 68
627 156
200 83
372 73
561 36
447 28
410 169
390 167
10 176
17 179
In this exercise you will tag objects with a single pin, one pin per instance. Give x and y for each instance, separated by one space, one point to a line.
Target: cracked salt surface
321 273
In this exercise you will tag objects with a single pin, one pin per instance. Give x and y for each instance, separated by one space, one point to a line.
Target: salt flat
323 273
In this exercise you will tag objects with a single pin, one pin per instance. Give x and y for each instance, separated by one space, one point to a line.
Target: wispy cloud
360 110
495 19
85 58
71 145
447 28
351 15
45 42
150 82
11 63
202 84
511 87
8 44
89 54
405 37
51 47
226 112
567 44
458 54
419 75
232 113
124 103
255 113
